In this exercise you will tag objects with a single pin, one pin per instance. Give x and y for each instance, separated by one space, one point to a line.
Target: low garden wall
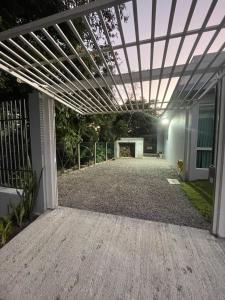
7 195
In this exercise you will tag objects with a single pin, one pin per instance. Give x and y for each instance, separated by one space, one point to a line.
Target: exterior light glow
165 121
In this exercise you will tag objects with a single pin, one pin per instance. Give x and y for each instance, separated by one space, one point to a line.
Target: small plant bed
13 229
20 215
200 194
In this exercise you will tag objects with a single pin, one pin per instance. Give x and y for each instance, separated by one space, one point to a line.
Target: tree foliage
72 128
18 12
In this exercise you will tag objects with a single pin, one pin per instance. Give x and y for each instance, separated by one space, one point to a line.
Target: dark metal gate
14 142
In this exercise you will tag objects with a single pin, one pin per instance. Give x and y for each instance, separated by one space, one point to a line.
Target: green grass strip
198 200
205 188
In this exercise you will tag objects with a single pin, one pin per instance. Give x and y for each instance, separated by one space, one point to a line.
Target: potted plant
160 154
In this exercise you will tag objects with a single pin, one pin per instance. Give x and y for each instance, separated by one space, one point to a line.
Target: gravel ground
131 187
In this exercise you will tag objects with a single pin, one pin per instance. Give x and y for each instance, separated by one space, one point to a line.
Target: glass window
205 137
204 158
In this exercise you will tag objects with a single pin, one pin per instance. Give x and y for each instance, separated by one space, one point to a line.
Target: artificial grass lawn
200 194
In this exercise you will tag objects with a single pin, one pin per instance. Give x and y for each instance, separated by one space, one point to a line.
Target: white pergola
35 54
50 55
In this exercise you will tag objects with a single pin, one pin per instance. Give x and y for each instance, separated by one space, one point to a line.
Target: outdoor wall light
165 121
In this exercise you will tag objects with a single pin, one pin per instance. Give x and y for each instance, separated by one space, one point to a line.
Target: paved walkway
130 187
76 254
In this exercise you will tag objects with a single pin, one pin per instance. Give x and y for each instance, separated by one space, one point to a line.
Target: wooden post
106 151
78 155
95 153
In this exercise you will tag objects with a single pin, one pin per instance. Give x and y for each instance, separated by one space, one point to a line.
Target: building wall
194 173
174 138
180 139
160 139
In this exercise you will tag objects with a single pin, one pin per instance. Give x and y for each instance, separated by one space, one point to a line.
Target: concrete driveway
71 254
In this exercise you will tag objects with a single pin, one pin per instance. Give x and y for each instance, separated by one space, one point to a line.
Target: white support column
187 148
43 149
160 138
219 205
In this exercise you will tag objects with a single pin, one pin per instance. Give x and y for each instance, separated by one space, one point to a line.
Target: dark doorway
150 144
127 149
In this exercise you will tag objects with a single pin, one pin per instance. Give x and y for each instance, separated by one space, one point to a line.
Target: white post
43 149
78 155
160 138
95 153
218 227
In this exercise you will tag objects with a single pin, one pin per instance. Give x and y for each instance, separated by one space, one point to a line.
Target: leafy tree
18 12
72 128
137 124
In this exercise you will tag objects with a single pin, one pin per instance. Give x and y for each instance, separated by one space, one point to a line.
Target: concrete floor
130 187
82 255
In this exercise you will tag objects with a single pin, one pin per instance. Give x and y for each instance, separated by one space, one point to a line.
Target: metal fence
14 142
90 153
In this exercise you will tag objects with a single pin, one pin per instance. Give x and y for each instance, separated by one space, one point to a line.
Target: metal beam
105 30
125 53
210 86
164 37
110 47
67 76
186 26
58 18
145 75
169 28
196 42
201 60
38 87
136 25
154 2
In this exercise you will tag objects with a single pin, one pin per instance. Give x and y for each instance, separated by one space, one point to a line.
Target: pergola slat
113 54
154 2
58 18
199 35
61 89
102 58
211 41
172 36
36 86
126 55
135 12
171 17
187 24
56 69
75 32
62 71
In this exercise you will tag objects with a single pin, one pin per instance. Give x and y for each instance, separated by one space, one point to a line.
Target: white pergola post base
43 149
219 205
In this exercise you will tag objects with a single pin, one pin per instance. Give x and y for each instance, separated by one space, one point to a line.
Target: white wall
180 139
160 139
174 138
219 200
194 173
7 196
